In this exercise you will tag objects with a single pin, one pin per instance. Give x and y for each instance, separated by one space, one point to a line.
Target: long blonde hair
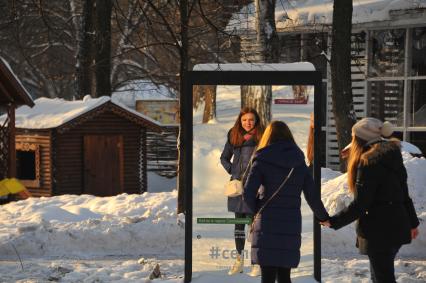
274 132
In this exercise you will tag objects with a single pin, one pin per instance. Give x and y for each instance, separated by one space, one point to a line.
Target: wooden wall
41 138
69 154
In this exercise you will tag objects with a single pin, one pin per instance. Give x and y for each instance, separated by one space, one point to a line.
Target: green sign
223 220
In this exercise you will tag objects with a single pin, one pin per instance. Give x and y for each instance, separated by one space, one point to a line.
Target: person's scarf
248 135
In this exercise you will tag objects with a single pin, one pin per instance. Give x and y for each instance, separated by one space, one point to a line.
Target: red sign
291 100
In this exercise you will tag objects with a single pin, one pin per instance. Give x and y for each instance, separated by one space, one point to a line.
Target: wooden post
144 161
12 152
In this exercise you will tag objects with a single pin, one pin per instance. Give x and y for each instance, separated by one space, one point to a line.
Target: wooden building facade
12 95
101 152
388 66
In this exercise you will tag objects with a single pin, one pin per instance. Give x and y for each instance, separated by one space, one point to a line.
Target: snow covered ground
122 238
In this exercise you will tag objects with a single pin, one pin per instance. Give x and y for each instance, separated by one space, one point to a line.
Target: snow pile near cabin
87 226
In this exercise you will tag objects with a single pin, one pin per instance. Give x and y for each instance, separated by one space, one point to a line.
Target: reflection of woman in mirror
240 144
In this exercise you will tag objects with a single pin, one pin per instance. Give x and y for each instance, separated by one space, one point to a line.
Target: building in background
388 60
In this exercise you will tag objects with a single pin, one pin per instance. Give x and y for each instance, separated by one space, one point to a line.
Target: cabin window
25 165
28 164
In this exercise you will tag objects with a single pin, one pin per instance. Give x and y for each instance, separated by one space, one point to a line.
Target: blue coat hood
274 153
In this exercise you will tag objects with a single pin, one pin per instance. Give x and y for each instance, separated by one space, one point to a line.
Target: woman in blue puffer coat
241 142
276 237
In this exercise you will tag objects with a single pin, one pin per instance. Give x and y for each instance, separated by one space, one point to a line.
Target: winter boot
255 270
238 266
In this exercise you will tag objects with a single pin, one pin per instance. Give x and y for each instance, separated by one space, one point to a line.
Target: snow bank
336 196
88 226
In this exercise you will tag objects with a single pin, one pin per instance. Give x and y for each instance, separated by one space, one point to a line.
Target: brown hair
236 135
276 131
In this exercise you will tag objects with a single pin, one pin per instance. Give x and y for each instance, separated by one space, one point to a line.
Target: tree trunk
103 47
84 51
267 41
343 111
210 103
183 97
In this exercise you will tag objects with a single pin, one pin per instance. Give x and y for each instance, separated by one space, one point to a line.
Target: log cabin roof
63 115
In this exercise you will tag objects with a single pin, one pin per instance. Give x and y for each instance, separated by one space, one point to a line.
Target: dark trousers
270 274
239 233
382 265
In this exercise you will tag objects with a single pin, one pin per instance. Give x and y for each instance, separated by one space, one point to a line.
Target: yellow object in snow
10 186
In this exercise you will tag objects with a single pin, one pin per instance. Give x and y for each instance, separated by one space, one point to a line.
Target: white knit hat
369 129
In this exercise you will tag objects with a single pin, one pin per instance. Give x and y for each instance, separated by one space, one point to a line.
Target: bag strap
274 194
247 167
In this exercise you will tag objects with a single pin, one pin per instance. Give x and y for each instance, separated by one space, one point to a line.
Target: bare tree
344 114
36 37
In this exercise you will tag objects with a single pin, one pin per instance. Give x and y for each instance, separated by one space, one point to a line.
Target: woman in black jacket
384 210
240 144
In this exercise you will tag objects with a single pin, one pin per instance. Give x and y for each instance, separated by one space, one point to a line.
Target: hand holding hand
414 233
325 223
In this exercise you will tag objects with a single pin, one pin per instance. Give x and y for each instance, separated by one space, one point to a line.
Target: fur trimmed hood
387 152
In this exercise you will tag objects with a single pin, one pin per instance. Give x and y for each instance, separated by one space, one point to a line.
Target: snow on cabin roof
29 99
291 14
300 66
50 113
